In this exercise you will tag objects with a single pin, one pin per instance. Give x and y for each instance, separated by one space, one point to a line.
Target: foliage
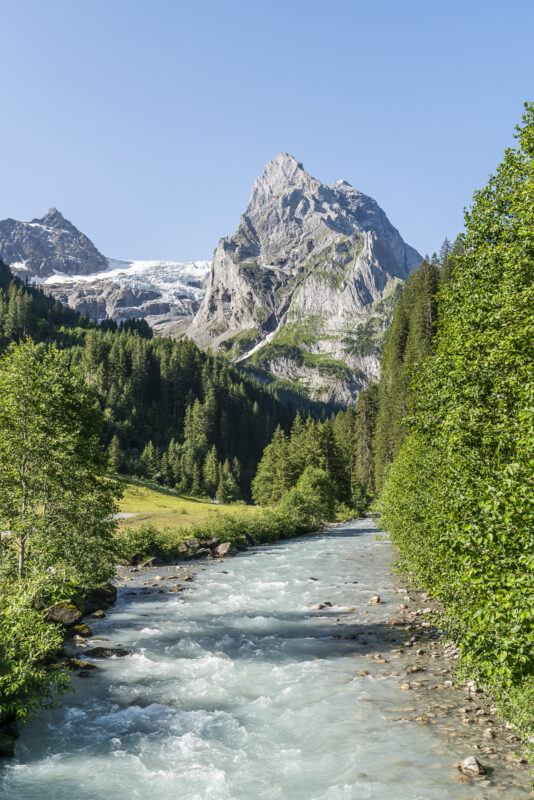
407 344
56 502
28 677
459 498
318 493
335 446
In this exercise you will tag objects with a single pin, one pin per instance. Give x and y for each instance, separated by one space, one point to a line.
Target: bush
29 676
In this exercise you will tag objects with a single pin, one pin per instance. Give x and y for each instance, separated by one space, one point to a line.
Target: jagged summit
52 219
341 182
309 256
48 245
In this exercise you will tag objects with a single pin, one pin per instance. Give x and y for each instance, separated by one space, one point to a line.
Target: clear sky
146 123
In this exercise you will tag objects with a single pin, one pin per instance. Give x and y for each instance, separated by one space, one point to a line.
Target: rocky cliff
306 287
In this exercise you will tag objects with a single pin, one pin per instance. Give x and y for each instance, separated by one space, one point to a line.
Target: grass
166 509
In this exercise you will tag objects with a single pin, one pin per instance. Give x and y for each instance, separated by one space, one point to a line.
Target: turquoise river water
240 688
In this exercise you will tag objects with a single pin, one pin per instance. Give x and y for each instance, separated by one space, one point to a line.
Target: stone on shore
100 598
226 549
63 613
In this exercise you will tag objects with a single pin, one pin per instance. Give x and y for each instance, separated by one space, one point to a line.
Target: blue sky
146 123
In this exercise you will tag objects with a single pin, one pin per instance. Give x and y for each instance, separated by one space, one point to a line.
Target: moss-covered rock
81 630
79 663
99 598
63 613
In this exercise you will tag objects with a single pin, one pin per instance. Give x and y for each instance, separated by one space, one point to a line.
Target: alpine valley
303 292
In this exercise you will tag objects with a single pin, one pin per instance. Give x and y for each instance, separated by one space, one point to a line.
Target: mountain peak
52 219
48 245
280 175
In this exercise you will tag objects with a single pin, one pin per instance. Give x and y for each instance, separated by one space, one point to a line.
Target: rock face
53 253
51 244
306 287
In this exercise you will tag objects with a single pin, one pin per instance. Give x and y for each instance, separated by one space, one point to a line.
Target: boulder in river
107 652
63 613
81 630
374 600
80 663
471 766
226 549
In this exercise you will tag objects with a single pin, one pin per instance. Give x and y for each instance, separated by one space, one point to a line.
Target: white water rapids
241 689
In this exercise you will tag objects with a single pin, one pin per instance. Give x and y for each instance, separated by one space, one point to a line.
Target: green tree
115 454
211 472
55 498
319 493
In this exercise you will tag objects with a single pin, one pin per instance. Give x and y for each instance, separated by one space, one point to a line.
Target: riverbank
272 674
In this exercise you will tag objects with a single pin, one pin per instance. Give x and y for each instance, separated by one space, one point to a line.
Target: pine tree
211 472
115 454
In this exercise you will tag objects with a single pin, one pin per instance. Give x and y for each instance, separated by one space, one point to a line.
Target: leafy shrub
29 676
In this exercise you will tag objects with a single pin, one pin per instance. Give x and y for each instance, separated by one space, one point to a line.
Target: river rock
80 663
81 630
99 598
203 552
472 766
226 549
98 614
212 542
192 543
107 652
63 613
374 600
7 745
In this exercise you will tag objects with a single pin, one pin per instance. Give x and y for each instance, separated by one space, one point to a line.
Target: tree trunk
21 559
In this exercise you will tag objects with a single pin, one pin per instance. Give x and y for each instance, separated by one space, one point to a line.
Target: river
241 688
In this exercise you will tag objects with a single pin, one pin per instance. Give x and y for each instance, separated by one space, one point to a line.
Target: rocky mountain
52 252
42 247
306 287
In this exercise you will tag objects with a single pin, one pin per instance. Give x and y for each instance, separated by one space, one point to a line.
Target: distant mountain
306 287
44 246
52 252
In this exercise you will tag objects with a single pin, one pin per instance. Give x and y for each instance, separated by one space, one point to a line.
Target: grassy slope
165 509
